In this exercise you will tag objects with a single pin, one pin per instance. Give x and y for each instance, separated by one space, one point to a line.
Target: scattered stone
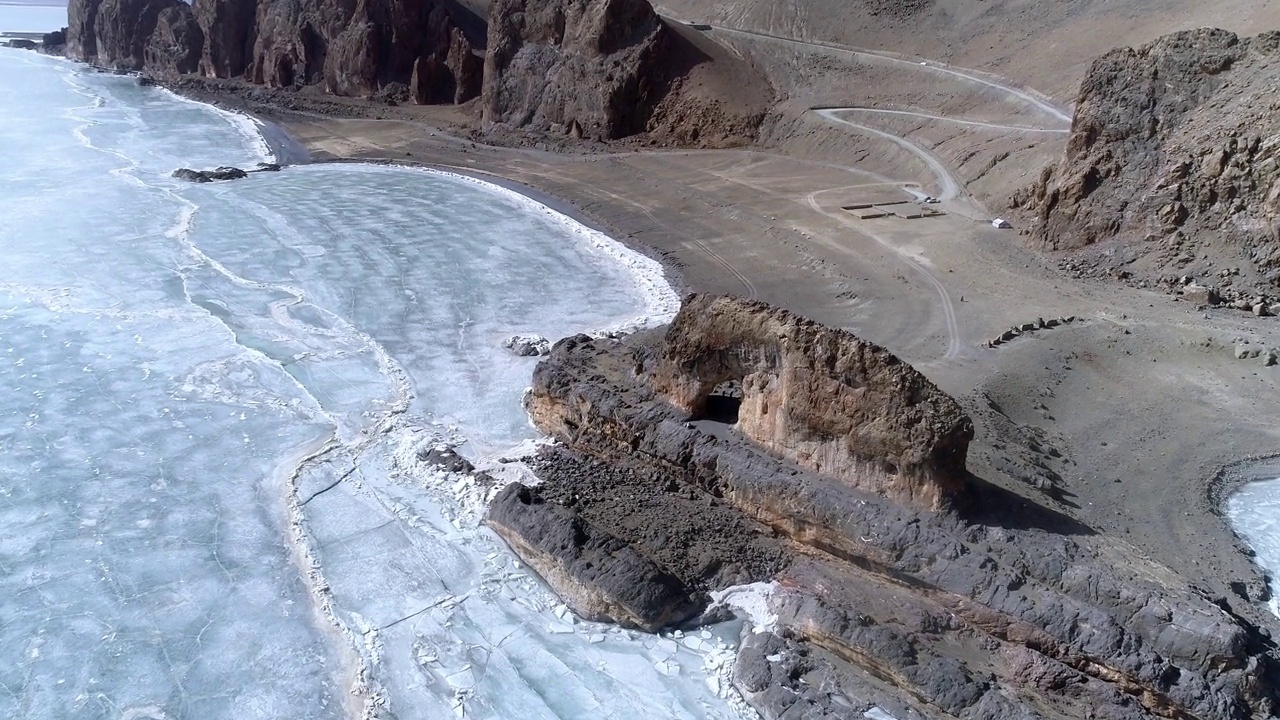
191 175
1201 294
1246 350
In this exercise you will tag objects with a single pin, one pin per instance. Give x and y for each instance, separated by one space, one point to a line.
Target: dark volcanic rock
204 176
597 575
118 33
1170 143
998 608
176 42
601 69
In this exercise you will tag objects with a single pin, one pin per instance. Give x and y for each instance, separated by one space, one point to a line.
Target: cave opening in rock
723 403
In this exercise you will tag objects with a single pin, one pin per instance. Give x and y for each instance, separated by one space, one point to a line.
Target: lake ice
212 399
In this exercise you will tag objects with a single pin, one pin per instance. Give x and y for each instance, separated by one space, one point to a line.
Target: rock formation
127 34
1173 144
602 69
350 49
992 607
820 397
598 68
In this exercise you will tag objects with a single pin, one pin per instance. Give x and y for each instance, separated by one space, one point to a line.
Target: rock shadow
990 504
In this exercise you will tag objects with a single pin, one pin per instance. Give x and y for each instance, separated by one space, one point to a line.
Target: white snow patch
876 713
751 602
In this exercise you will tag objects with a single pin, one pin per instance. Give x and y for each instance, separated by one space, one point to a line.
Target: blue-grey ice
213 399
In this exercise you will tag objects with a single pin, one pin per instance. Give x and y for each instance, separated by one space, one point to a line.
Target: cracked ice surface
141 553
212 400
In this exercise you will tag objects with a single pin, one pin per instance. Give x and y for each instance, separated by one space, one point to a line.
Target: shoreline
289 150
1183 523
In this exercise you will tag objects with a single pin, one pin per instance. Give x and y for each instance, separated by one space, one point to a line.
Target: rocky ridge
602 69
1173 153
990 607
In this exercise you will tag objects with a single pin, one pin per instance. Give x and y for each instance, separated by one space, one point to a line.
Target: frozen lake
212 403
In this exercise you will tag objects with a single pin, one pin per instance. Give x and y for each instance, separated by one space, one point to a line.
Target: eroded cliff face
596 69
429 50
997 608
821 397
606 69
1172 144
589 63
131 34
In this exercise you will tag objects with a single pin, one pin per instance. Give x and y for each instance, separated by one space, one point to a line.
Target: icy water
212 402
1254 511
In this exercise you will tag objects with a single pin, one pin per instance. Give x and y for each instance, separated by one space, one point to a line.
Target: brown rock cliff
820 397
1173 144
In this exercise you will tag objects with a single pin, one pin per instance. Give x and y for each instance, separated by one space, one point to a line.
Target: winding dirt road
1030 98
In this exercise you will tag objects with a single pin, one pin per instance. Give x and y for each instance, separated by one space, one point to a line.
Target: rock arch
820 397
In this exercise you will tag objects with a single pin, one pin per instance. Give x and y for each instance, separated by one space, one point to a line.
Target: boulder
190 175
528 345
1201 294
204 176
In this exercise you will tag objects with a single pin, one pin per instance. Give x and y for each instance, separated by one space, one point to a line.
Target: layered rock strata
991 608
820 397
1173 144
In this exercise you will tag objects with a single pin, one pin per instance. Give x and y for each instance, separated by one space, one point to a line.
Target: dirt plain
1133 420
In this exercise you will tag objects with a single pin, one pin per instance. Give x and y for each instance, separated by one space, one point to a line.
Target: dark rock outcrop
131 34
229 27
597 575
176 41
221 173
598 69
601 69
997 608
1172 144
431 46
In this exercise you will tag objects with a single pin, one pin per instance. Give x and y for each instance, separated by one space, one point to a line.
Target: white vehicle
1001 223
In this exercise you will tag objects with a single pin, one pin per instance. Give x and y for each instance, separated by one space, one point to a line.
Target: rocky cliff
428 50
1174 145
602 69
607 69
993 608
132 34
